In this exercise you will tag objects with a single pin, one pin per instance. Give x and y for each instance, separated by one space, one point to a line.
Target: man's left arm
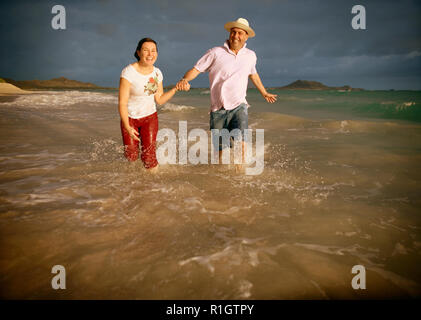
271 98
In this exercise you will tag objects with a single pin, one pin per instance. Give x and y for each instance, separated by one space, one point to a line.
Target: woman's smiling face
148 54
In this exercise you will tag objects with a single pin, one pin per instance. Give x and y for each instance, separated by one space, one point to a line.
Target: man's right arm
191 74
183 84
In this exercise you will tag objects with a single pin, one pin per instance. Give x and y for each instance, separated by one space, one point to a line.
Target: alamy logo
198 152
59 20
59 280
358 281
358 21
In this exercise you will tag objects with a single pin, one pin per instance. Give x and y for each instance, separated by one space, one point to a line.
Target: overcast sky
295 39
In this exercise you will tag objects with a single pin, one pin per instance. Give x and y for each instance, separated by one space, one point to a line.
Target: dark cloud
303 39
107 29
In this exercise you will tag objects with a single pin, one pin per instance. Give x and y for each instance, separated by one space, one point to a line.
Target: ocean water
340 187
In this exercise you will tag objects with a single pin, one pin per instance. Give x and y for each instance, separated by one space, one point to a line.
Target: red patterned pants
148 129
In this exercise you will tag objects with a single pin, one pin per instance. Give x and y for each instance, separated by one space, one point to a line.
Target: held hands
271 98
182 85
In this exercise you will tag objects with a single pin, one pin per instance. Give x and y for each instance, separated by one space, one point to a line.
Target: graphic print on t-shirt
152 85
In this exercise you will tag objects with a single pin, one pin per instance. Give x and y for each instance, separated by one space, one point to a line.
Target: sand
7 88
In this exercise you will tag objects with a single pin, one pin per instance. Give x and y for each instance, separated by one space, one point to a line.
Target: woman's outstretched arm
162 97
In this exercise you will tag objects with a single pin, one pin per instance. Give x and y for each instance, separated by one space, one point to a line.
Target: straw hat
242 24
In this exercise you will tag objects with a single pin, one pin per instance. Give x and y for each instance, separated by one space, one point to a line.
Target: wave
278 121
360 126
399 106
175 107
407 110
61 99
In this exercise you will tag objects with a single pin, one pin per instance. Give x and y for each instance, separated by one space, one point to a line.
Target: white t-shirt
142 90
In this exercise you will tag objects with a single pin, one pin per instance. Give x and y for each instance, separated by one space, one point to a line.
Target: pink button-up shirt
228 75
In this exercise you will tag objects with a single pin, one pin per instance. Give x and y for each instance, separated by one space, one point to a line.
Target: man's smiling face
237 39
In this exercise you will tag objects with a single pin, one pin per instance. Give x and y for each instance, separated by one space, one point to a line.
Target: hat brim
234 24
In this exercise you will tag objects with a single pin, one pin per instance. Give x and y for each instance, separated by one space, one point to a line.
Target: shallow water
339 188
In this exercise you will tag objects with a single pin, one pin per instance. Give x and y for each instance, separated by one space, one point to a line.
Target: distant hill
304 84
57 83
314 85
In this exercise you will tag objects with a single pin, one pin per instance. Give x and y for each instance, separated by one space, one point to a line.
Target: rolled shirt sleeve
205 62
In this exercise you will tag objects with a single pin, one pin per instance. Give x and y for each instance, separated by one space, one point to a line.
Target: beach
10 89
340 188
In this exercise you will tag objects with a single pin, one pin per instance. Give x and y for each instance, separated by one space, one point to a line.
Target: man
229 68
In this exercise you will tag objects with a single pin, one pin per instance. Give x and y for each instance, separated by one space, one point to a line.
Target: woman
140 89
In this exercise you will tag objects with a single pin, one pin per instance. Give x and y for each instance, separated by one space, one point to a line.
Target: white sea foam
244 288
238 252
175 107
33 199
399 106
344 126
106 149
57 99
405 105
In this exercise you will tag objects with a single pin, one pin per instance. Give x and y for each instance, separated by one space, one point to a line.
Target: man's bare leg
239 168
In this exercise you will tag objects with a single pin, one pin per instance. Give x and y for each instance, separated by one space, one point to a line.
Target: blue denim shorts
229 119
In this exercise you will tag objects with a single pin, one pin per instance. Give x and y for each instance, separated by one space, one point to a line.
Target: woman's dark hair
139 45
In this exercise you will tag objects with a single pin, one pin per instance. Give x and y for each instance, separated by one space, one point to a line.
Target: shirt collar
226 45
